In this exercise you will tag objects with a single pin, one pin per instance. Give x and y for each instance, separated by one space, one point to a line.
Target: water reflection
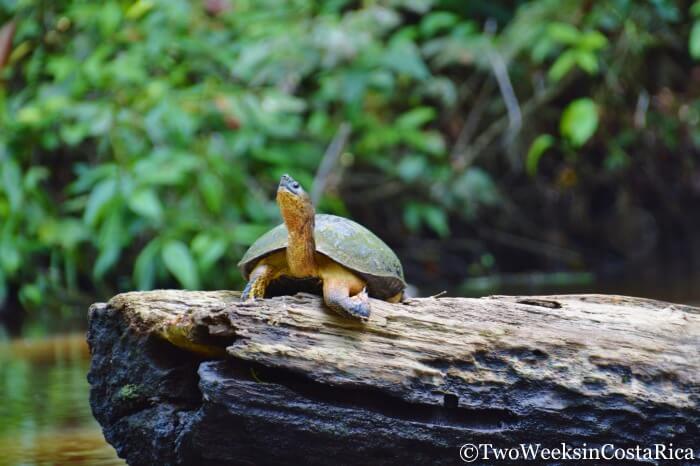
44 409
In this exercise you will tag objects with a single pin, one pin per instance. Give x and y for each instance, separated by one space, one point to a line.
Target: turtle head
294 203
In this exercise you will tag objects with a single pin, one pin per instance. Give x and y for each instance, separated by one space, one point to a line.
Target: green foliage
538 147
694 40
141 140
579 121
581 49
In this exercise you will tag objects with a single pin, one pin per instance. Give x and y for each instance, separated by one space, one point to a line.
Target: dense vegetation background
141 142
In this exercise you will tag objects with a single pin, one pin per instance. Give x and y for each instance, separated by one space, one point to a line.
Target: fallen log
201 378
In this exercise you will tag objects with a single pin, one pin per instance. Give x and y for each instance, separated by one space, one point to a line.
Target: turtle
348 261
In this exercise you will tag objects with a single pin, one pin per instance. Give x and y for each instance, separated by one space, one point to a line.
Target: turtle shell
346 242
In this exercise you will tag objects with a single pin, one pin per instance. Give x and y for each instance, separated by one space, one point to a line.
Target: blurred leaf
412 216
436 218
3 288
563 65
212 191
139 8
109 240
30 115
106 260
430 142
416 118
110 16
431 215
473 188
99 200
66 233
208 249
592 40
145 265
31 295
694 41
246 234
145 202
563 33
12 183
437 21
538 147
587 61
542 49
579 121
403 57
10 258
695 9
177 259
412 167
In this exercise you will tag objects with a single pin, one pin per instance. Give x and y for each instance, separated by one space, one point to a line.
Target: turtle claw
245 295
359 305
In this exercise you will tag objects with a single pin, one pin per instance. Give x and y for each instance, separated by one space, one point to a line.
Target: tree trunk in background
200 378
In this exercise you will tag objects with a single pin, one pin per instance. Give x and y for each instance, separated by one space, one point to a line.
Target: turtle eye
295 185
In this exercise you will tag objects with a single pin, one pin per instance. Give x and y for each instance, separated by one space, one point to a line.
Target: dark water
45 416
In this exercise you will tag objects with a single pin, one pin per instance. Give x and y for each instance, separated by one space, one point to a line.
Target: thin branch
515 117
330 160
471 123
640 111
498 126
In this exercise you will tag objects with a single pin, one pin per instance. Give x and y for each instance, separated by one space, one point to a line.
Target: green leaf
145 202
178 260
542 49
563 33
592 40
437 21
579 121
99 201
3 288
105 260
694 41
30 115
562 65
695 9
10 258
416 118
139 8
109 239
212 190
208 249
245 233
411 216
109 18
436 218
587 61
31 294
432 216
403 57
430 142
12 183
538 147
411 167
145 266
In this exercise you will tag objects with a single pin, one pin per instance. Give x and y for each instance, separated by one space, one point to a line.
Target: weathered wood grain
432 373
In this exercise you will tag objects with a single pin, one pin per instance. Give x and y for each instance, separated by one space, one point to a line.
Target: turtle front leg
259 278
336 294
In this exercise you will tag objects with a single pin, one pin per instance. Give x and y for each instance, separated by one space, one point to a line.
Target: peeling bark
211 380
